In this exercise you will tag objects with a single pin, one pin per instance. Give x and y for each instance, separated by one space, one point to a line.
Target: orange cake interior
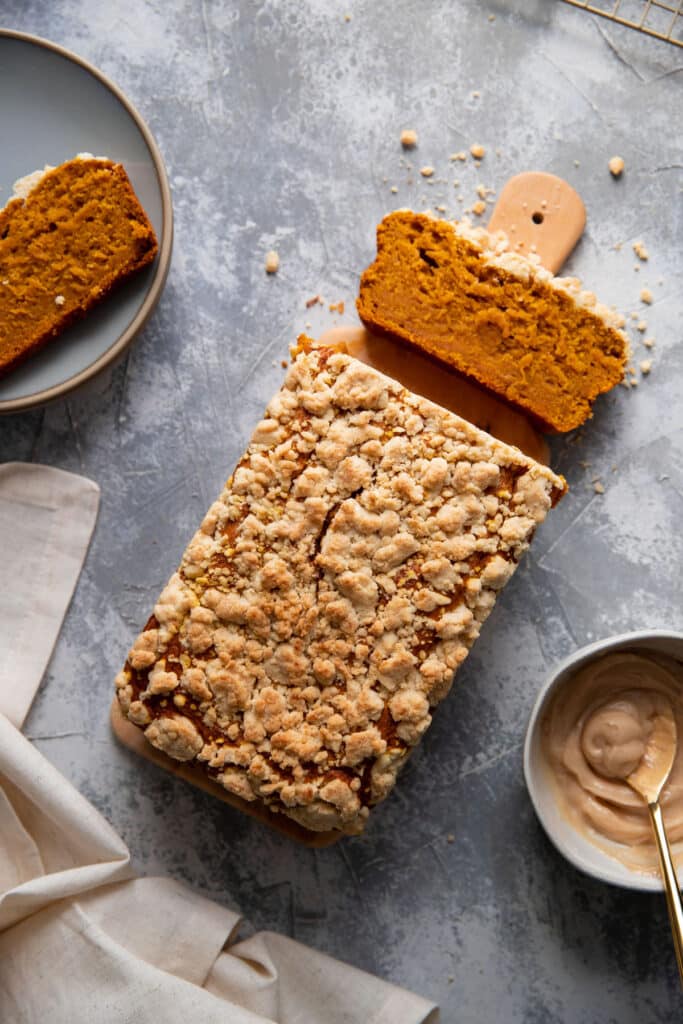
457 294
67 238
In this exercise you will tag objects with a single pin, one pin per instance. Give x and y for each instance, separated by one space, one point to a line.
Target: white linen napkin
81 939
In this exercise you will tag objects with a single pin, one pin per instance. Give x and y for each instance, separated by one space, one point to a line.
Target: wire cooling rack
653 17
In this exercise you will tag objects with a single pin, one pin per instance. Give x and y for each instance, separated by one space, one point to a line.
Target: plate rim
45 395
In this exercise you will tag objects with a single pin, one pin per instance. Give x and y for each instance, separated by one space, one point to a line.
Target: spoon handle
673 895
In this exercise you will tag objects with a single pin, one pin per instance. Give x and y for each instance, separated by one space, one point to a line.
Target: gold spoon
648 780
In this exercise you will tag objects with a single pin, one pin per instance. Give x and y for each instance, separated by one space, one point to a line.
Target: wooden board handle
540 213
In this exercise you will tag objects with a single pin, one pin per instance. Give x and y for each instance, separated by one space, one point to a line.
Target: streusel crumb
320 611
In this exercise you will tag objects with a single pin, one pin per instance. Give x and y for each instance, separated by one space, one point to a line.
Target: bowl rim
634 880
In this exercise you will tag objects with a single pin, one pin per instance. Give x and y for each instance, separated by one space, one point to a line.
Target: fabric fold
46 520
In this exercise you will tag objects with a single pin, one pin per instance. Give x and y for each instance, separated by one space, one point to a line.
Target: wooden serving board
540 213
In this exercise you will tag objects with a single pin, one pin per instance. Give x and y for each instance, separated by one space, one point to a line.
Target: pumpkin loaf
68 235
460 295
332 590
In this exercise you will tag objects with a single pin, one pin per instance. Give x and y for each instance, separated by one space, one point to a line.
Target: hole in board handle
537 217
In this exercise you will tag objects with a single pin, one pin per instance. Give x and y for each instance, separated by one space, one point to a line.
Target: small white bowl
571 844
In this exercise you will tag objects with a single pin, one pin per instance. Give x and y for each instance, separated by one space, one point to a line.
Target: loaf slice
331 592
460 295
68 236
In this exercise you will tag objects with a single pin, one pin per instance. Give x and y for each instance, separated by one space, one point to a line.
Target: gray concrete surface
279 124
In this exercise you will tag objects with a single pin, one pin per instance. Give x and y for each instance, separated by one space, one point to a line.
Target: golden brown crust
321 609
79 233
458 294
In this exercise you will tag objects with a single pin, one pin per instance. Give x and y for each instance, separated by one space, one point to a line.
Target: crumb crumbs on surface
409 138
272 263
641 326
479 207
315 300
492 17
640 251
598 487
461 155
427 171
284 363
475 94
616 166
59 300
450 838
393 189
477 151
648 342
577 163
441 209
336 307
646 296
347 17
645 366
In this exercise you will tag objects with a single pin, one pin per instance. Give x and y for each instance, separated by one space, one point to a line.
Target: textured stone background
279 125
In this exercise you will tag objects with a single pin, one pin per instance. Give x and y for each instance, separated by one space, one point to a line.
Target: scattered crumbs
483 191
476 94
634 315
598 487
450 838
384 181
456 184
315 300
409 138
616 166
427 171
284 364
394 189
577 163
636 267
460 199
441 209
625 383
451 978
477 151
641 326
479 207
646 296
308 325
640 251
274 363
336 307
462 155
614 469
492 17
59 300
347 17
617 246
648 342
272 262
645 366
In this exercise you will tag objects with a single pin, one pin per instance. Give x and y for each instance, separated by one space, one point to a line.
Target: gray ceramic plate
54 105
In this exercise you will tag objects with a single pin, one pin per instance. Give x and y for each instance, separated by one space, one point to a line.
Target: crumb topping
331 592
